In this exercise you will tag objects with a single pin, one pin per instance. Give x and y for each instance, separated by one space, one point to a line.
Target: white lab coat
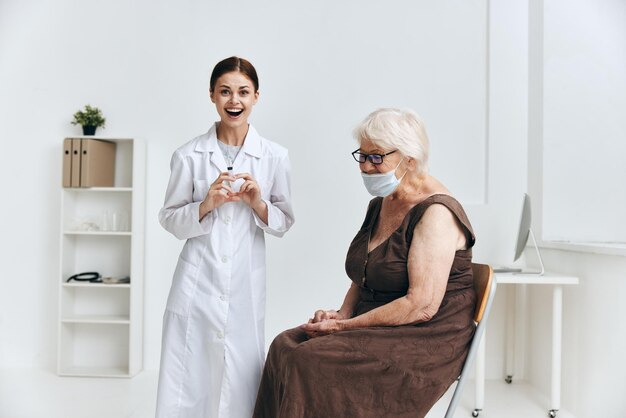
213 328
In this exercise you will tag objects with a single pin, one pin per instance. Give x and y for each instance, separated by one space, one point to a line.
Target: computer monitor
524 232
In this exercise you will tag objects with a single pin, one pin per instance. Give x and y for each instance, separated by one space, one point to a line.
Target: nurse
227 188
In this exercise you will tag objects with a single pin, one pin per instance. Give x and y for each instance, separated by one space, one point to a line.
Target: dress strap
372 209
449 202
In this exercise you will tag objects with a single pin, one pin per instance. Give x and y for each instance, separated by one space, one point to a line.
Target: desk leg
480 375
521 314
510 332
557 324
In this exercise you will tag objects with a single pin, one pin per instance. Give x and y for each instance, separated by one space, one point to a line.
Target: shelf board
105 233
96 319
97 285
95 371
104 137
98 189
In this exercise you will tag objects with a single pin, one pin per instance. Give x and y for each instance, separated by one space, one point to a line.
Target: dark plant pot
89 130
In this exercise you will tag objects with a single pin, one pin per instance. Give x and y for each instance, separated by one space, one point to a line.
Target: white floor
26 393
516 400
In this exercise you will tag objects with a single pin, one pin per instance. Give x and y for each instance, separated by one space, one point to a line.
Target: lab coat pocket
183 288
200 189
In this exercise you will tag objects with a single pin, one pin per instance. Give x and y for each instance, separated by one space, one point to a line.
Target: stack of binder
88 163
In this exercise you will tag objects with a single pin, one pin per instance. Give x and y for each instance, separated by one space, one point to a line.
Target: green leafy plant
90 116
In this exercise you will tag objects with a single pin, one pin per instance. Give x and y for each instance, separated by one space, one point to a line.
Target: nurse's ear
256 97
211 95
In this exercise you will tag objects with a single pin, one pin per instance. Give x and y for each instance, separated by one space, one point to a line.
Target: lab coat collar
251 145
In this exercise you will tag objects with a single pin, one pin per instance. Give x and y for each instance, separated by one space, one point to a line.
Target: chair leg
480 376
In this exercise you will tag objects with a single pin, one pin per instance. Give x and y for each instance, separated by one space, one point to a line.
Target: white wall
323 66
584 120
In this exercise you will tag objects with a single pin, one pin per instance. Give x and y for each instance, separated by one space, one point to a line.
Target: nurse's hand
250 193
218 194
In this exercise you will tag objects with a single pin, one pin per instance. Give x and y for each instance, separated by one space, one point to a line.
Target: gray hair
400 129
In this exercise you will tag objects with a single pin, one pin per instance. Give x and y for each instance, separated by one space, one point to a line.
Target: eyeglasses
375 159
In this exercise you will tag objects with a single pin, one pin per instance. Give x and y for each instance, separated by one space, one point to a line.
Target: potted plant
90 119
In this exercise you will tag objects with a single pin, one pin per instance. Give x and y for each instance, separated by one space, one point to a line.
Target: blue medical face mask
382 184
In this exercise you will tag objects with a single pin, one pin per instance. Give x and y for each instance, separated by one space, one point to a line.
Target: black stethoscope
88 276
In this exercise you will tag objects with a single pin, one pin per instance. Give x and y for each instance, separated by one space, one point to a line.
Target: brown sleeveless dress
378 371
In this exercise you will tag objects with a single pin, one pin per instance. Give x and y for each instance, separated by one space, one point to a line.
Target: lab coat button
223 297
220 335
227 220
224 259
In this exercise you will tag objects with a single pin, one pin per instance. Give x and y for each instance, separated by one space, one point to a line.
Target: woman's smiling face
234 95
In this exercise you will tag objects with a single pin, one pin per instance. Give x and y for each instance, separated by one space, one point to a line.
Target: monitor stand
517 270
543 270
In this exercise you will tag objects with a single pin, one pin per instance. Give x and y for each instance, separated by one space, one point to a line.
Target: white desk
557 281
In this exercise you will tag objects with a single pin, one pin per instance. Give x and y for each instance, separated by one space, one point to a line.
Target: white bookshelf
101 325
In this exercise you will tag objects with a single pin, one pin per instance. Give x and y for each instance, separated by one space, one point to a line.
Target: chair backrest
483 280
485 287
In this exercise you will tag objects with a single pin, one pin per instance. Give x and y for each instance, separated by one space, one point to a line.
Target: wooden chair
485 287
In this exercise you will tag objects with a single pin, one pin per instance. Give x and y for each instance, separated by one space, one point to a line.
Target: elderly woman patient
402 333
